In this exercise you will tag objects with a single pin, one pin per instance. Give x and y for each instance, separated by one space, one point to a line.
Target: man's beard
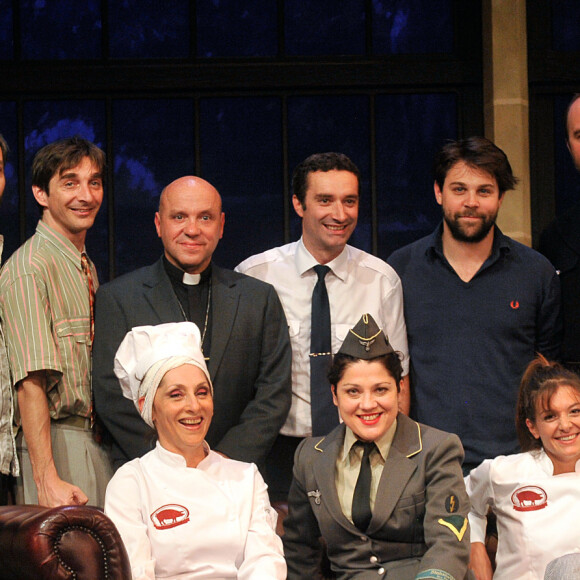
469 235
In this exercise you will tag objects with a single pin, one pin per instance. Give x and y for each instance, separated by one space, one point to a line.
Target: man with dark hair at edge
478 305
560 243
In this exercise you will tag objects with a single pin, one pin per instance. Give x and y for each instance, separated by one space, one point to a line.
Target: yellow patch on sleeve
457 524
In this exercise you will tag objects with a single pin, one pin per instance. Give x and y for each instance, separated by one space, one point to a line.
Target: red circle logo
529 498
169 516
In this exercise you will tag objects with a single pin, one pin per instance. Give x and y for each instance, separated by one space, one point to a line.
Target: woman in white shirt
183 510
536 494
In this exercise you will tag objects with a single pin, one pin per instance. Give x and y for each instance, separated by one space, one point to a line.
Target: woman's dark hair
4 148
340 362
540 381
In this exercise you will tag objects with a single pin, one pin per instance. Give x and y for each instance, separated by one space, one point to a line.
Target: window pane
47 121
325 27
566 25
410 130
341 124
567 179
241 146
153 145
9 227
412 26
60 29
234 28
6 35
149 29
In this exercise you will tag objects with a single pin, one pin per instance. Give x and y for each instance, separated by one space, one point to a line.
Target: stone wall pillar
506 106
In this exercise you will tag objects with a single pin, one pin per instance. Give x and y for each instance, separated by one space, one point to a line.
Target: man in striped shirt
46 296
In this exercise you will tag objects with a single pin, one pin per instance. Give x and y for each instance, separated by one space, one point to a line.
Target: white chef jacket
537 512
357 283
212 521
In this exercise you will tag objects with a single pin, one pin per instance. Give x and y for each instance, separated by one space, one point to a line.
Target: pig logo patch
169 516
529 499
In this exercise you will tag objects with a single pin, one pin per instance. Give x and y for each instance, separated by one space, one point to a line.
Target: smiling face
182 411
72 201
470 200
330 212
367 398
558 427
190 223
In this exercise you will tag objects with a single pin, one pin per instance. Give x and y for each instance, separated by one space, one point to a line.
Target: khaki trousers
78 458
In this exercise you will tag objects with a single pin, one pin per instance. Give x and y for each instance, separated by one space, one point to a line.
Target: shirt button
381 571
363 538
374 559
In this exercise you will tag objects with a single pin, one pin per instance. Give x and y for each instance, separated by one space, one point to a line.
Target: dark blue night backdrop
239 141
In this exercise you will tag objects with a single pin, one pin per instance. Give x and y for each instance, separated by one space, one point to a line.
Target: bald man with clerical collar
243 329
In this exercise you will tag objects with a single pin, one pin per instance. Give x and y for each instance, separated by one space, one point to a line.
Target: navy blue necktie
324 413
361 499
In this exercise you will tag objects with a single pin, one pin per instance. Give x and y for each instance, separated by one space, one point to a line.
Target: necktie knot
321 271
368 447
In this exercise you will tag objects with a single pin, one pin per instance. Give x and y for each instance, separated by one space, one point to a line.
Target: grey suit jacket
419 524
250 362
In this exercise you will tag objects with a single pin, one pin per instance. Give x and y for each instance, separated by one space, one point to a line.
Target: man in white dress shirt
326 191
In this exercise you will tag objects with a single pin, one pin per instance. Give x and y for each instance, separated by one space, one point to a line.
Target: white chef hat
148 352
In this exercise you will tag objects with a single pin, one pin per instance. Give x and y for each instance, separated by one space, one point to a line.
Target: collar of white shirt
176 459
305 261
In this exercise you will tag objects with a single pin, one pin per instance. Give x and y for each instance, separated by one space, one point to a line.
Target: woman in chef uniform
183 510
536 494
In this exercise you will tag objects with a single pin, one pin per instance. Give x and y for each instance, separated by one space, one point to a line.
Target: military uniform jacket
419 525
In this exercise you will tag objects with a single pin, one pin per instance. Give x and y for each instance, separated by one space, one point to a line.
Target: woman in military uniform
384 492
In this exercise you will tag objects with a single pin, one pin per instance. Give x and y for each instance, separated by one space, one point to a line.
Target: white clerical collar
191 279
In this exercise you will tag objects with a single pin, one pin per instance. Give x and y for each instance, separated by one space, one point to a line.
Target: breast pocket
293 328
339 332
408 516
73 338
73 330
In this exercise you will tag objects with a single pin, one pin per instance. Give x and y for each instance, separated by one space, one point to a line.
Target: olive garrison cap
366 340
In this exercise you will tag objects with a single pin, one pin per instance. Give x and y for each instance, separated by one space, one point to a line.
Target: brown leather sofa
38 543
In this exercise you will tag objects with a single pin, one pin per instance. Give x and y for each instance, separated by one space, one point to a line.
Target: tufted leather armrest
67 542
